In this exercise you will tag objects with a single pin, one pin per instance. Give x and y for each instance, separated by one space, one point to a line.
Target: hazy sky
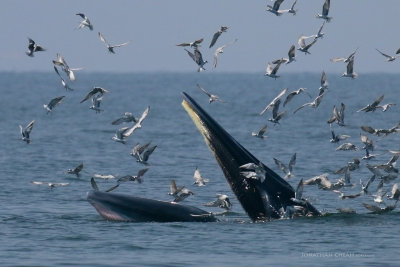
154 27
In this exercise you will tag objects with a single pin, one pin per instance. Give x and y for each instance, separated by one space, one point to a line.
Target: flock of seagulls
384 173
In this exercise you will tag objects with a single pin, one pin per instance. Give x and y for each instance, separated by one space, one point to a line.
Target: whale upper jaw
261 200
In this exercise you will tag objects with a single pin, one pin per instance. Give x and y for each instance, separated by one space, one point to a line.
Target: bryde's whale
263 199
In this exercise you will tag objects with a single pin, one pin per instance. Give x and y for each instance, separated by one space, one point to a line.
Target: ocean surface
40 226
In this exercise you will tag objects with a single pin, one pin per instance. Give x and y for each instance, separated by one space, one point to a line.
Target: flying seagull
222 202
350 72
313 104
76 170
303 47
275 9
344 59
373 106
338 115
261 132
197 58
220 50
133 178
388 57
96 101
33 47
325 11
271 71
320 34
276 117
110 47
94 91
127 117
60 61
217 34
193 44
50 184
173 189
337 137
274 101
287 170
324 84
291 56
292 10
85 22
25 133
63 82
198 179
290 96
53 103
212 97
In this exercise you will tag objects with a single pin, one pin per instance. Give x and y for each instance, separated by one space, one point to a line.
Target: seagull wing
144 115
377 101
281 166
263 130
325 8
291 52
292 162
214 39
204 90
383 54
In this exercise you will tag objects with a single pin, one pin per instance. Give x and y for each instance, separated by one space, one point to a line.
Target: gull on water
290 96
197 58
76 170
313 104
325 11
273 102
349 71
60 61
53 103
49 184
85 22
287 170
217 34
110 47
388 57
222 202
198 179
261 132
193 44
133 178
220 50
303 47
25 132
33 47
212 97
127 117
63 82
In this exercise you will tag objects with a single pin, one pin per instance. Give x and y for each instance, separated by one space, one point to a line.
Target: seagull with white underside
276 117
303 47
63 82
198 179
53 103
313 104
127 117
222 202
85 22
197 58
212 97
325 11
290 96
133 178
49 184
287 170
261 132
25 132
273 102
96 101
110 47
275 8
60 61
349 71
76 170
33 47
271 71
96 90
389 58
193 44
344 59
220 50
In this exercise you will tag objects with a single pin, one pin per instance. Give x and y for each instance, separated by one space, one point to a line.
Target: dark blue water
47 227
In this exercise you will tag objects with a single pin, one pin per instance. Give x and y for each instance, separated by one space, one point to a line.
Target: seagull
373 106
60 61
85 22
222 202
193 44
122 133
261 132
271 72
173 189
313 104
302 43
343 196
198 179
110 47
336 138
386 106
53 103
379 210
287 169
220 50
138 150
25 133
325 11
275 115
212 97
183 194
273 102
94 91
344 59
254 171
76 170
275 9
291 54
338 116
96 101
137 178
217 34
323 182
395 192
350 73
364 188
347 146
145 113
298 194
127 117
294 93
320 34
368 144
292 10
388 57
378 197
104 177
146 155
351 166
50 184
390 165
33 47
324 84
63 82
197 58
378 132
96 188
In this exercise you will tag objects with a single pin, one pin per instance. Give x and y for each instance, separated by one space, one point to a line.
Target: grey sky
154 27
